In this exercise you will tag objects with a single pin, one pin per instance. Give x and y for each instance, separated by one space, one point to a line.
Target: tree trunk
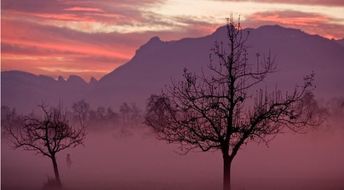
56 171
227 162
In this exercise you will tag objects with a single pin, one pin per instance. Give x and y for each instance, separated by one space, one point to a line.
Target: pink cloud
304 2
310 23
84 9
27 46
78 10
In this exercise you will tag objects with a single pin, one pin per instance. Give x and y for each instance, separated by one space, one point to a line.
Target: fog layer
132 158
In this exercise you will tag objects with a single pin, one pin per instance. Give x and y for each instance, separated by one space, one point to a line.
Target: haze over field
113 160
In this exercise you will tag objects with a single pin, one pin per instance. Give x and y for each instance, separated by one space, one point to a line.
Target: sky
91 38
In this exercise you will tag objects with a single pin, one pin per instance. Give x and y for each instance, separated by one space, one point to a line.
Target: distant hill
157 62
341 42
25 91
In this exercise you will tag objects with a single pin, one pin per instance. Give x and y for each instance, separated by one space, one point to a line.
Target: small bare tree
222 110
47 135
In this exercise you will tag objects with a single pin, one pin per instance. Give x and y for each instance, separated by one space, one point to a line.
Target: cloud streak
311 23
305 2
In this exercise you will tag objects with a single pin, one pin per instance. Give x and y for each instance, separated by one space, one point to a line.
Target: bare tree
224 108
47 135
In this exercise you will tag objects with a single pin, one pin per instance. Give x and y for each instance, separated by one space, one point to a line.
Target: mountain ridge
156 62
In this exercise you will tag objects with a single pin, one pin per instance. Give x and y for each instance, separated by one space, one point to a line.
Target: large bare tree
47 135
224 108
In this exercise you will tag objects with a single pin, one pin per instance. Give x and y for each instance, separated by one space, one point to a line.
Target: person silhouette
68 161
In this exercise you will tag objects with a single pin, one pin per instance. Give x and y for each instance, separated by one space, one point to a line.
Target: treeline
126 115
129 115
81 112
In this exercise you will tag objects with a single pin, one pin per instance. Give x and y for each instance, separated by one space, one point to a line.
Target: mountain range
158 62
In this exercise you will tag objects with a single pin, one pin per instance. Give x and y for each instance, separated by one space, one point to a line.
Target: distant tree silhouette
125 110
9 119
100 113
130 114
81 110
135 114
111 116
221 109
47 135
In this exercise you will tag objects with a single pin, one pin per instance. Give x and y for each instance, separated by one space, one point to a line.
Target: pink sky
91 38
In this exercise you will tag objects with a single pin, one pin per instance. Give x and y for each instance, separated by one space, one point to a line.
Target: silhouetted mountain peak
44 78
61 79
265 29
340 42
74 79
16 73
221 30
277 30
93 81
154 40
153 44
268 29
273 27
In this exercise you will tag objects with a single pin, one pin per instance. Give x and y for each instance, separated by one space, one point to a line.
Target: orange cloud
31 47
63 17
58 65
295 20
84 9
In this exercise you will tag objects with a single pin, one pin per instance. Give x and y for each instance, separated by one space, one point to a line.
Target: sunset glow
92 38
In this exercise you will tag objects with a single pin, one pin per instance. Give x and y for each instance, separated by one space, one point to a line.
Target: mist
133 158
